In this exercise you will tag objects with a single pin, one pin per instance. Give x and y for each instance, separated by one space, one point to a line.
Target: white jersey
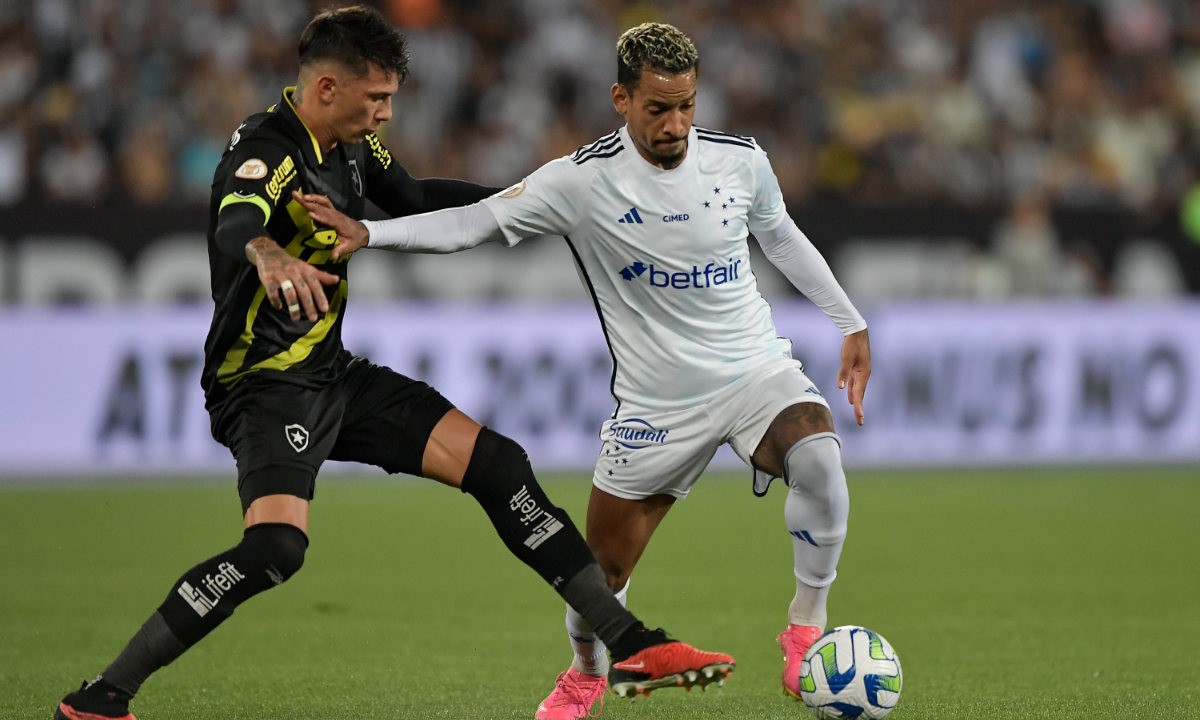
664 254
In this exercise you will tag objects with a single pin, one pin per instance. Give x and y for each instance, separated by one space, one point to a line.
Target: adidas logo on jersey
631 217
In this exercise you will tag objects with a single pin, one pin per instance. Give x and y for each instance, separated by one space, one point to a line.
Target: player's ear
620 98
326 85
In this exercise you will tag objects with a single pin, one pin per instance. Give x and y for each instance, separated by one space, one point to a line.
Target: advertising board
117 391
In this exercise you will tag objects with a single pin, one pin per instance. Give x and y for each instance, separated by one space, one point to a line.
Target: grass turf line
1007 594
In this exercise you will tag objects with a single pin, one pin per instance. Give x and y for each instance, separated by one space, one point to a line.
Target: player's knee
500 478
616 574
279 547
612 557
497 464
813 468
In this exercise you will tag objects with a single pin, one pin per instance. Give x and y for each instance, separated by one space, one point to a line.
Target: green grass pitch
1007 594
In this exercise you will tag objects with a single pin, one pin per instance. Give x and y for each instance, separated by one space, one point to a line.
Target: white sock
808 607
816 510
591 657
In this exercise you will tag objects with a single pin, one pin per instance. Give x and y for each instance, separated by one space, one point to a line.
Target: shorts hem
271 463
276 479
635 495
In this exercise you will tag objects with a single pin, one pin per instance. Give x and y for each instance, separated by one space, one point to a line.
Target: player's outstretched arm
794 254
444 231
801 263
399 194
551 201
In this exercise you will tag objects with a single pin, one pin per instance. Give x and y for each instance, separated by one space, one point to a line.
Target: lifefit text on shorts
544 524
227 576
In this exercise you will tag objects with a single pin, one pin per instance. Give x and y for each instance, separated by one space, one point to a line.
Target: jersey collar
640 164
303 136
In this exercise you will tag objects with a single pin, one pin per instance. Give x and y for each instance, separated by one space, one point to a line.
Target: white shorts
648 452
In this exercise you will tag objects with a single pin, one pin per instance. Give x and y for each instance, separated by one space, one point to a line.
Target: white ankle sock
808 607
591 657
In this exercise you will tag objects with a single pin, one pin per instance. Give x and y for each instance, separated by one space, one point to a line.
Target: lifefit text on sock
227 576
546 524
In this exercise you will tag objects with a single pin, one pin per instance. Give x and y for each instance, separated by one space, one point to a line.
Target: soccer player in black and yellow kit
284 395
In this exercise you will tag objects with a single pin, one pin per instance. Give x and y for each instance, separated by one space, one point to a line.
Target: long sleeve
550 201
399 194
236 227
789 250
444 231
252 194
794 254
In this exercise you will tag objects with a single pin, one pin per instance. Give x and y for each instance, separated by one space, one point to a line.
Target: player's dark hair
355 36
653 46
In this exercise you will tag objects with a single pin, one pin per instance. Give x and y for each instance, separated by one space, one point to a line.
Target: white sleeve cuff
387 234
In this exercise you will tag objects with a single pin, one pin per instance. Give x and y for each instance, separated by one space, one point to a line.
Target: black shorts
280 434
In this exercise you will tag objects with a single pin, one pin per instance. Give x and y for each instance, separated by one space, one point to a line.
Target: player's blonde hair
653 46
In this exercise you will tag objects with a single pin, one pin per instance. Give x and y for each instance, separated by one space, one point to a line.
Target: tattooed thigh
793 424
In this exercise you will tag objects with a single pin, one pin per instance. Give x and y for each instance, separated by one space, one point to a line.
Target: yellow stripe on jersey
305 227
307 236
228 373
233 198
303 347
231 371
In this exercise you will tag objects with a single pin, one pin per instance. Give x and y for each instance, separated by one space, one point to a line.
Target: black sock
593 599
153 647
205 596
540 534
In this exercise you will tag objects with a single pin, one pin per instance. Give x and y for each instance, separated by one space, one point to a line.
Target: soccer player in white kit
656 215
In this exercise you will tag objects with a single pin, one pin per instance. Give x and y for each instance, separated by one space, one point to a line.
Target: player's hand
289 280
352 235
856 370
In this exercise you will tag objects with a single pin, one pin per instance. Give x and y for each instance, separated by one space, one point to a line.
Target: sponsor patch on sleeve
381 153
252 169
513 191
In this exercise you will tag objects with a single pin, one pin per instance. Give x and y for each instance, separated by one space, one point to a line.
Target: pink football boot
573 697
795 641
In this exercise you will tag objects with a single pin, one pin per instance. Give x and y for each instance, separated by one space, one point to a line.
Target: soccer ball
850 672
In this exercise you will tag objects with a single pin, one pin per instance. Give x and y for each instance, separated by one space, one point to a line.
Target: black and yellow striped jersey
269 155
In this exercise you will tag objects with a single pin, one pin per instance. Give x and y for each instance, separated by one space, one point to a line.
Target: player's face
361 103
659 113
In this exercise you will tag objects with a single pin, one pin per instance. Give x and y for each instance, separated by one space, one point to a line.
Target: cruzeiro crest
356 178
297 436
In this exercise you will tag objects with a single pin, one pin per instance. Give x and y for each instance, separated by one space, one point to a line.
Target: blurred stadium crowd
975 104
910 101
